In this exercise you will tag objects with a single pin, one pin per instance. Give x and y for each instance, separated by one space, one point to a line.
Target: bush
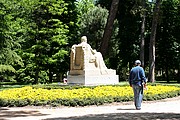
81 96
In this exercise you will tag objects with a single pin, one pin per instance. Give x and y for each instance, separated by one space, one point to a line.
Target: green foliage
36 36
92 25
168 39
44 50
84 6
6 68
8 42
51 35
127 43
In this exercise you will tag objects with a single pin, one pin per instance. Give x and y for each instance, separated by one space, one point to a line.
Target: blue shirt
137 76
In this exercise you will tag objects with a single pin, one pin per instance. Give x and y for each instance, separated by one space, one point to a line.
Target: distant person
137 81
65 80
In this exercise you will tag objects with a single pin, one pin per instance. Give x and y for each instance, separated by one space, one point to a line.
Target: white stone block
92 80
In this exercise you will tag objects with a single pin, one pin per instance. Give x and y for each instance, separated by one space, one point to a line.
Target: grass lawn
9 85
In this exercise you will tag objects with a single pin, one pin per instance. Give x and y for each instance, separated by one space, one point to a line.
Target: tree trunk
178 74
59 77
36 75
178 79
167 74
142 33
109 27
151 76
36 81
50 76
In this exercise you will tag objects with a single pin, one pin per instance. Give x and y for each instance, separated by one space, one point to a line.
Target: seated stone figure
87 61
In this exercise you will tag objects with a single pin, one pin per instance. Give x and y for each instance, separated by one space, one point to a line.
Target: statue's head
84 39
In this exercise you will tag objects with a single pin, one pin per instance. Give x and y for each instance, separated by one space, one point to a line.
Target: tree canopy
36 36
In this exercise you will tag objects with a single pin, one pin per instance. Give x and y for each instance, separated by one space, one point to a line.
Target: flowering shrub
80 97
160 92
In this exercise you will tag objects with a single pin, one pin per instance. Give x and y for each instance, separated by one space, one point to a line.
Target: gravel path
167 109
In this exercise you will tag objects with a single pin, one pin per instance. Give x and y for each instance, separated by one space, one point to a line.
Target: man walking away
137 80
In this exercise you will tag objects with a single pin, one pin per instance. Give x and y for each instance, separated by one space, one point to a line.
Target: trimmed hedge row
82 96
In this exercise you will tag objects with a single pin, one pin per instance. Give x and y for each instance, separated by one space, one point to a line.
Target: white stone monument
87 66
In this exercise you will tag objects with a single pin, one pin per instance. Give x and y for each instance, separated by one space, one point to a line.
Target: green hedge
81 95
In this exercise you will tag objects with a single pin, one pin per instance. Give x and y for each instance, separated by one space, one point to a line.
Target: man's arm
130 79
143 77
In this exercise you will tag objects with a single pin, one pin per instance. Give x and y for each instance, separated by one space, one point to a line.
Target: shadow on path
124 116
5 113
126 109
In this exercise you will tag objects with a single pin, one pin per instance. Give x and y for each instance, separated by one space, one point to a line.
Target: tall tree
52 28
84 6
51 36
92 25
8 42
168 40
152 47
129 32
109 27
143 15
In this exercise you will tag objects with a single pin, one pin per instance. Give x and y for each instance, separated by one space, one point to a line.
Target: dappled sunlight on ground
166 109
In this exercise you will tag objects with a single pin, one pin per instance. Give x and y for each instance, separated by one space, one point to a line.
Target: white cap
137 62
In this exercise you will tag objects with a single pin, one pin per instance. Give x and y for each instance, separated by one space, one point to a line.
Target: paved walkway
167 109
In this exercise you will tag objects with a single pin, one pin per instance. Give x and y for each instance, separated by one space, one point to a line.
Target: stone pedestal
93 77
93 80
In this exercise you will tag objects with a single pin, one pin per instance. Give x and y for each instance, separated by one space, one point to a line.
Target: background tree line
36 36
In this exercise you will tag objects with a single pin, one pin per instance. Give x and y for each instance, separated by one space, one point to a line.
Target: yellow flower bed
100 91
156 90
116 93
44 94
